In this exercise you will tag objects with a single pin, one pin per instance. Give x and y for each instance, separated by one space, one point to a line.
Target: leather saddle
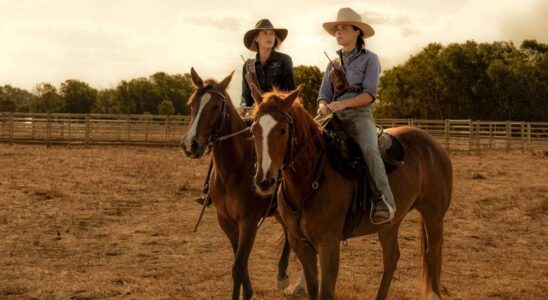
346 157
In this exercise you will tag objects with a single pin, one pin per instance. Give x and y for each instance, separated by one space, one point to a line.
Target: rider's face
266 38
346 34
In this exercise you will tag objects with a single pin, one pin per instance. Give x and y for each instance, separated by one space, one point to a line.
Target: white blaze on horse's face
266 122
192 131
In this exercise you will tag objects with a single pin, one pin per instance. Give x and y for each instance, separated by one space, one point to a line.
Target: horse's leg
230 228
388 237
283 278
329 252
432 213
308 260
247 232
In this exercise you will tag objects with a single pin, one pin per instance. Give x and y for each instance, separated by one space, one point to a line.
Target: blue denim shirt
361 72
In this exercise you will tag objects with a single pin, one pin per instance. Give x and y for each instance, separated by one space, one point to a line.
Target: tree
47 99
166 108
495 81
78 96
311 78
106 102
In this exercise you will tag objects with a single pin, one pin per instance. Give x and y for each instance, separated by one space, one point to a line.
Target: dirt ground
115 222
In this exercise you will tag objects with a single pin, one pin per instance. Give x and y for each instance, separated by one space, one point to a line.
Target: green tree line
488 81
481 81
161 93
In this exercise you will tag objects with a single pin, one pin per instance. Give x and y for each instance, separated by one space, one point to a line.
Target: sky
105 41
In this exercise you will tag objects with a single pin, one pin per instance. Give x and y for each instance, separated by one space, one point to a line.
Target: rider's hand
240 110
335 106
322 108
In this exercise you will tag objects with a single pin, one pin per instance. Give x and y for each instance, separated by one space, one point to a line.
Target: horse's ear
196 80
293 95
224 84
256 94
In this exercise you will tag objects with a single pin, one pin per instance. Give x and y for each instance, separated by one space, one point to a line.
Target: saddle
346 157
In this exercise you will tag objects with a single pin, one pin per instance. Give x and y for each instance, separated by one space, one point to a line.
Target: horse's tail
430 265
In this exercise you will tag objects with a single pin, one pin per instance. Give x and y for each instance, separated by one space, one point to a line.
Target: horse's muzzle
265 186
192 149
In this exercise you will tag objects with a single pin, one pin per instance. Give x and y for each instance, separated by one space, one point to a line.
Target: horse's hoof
296 292
283 283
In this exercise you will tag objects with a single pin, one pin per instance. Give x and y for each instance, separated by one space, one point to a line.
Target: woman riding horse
361 69
268 69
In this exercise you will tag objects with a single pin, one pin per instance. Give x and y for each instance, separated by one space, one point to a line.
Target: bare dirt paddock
115 222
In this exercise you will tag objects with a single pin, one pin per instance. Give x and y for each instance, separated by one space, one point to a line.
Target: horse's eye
215 107
282 131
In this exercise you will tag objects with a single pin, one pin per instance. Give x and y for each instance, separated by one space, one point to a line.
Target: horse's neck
233 153
298 181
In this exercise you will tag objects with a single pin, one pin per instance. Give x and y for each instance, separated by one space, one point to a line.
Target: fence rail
467 135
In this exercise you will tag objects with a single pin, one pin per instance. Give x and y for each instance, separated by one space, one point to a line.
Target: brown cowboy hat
281 33
349 16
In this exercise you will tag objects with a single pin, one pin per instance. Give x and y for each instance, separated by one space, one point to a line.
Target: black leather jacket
276 72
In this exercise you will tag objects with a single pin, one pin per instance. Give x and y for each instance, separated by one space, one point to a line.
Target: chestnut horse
216 123
314 198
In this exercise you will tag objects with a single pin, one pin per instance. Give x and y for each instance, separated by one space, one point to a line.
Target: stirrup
390 211
201 199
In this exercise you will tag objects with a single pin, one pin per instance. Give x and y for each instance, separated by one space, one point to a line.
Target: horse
314 198
215 123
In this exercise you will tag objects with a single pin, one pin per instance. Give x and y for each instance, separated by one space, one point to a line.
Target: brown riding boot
381 211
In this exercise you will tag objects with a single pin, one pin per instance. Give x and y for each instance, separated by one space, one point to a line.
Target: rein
214 137
289 161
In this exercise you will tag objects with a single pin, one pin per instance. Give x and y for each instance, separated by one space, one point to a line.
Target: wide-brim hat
264 24
349 16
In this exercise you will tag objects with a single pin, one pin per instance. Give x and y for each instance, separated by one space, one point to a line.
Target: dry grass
115 222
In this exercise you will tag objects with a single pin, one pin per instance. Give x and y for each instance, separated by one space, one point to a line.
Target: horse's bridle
214 136
288 159
290 156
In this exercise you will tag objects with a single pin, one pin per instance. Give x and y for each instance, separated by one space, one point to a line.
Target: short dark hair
360 41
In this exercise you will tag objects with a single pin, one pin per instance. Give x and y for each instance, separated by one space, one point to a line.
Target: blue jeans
366 137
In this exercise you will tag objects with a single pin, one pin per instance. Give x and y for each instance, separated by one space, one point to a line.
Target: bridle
214 136
291 156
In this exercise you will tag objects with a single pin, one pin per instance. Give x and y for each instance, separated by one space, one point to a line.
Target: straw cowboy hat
264 24
349 16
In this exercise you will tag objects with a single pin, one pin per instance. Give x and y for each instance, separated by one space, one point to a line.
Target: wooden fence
465 135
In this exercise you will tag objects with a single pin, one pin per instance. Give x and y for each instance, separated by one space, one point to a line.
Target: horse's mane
305 126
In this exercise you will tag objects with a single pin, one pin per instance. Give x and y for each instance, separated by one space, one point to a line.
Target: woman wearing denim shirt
362 70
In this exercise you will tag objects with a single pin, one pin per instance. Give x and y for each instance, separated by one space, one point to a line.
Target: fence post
491 141
529 136
48 129
522 134
128 130
147 118
478 136
470 135
166 125
87 126
11 128
508 135
69 127
446 134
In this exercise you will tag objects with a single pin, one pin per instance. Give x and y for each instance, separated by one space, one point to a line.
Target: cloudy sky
105 41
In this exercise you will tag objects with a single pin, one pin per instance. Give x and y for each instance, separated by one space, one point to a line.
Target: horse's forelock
273 101
193 97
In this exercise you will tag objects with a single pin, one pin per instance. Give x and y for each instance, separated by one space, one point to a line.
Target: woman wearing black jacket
269 68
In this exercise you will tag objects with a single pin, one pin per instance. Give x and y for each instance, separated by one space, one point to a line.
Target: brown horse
314 197
216 123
